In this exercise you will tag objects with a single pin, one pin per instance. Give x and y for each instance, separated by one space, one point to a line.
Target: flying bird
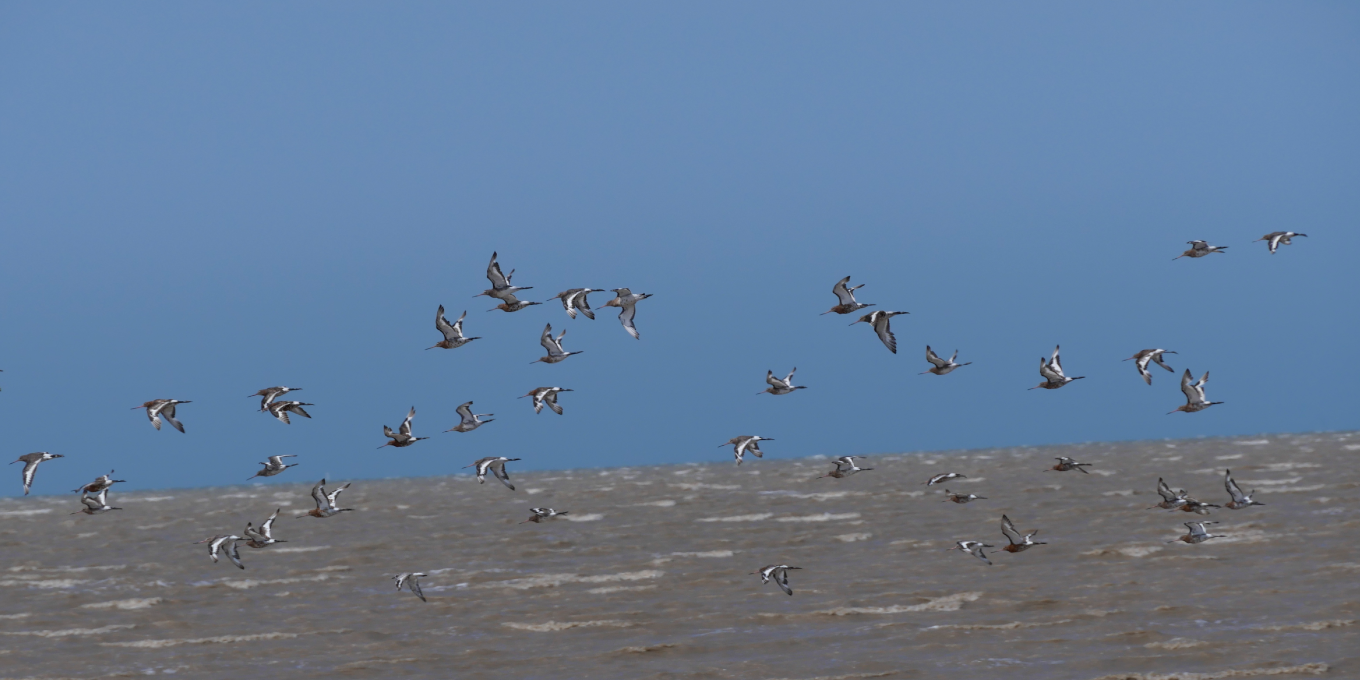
1200 249
961 498
99 484
162 407
845 466
1198 534
469 420
879 319
540 514
409 580
402 437
778 387
96 504
216 545
1149 355
973 548
574 300
263 536
1065 464
511 303
325 502
943 477
453 335
1052 371
941 366
501 288
845 298
627 303
281 409
31 462
1194 394
1017 544
1170 500
745 443
779 573
274 466
1239 500
546 395
554 347
496 466
269 394
1275 239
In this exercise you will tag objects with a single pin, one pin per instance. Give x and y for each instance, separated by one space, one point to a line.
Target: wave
665 503
1315 625
851 538
738 518
552 626
710 553
69 632
593 517
554 580
1177 643
1305 669
946 603
1126 551
823 517
134 603
25 513
618 589
46 583
1013 625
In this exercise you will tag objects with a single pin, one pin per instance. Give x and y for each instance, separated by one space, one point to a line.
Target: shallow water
648 575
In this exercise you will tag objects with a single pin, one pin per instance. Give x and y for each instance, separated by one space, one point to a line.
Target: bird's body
1198 533
961 498
223 543
469 421
95 504
156 408
269 394
554 346
510 303
626 300
746 443
944 477
845 298
1275 239
1194 394
880 320
409 580
263 536
501 288
31 462
973 548
99 484
496 466
402 437
274 466
453 333
1239 500
778 387
845 466
548 396
1052 371
574 301
942 366
1017 544
281 409
540 514
1144 357
1200 249
1065 464
1170 500
325 502
779 573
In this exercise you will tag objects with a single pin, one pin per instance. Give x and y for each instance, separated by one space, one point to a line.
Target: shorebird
1148 355
1197 507
1239 500
546 395
1200 249
269 394
162 407
541 514
409 580
1170 500
325 502
1194 394
501 288
1198 534
778 387
263 536
627 303
512 304
943 477
281 409
879 319
1277 238
215 545
554 347
31 461
496 465
845 297
453 335
274 466
779 573
1065 464
470 421
746 443
973 548
845 466
941 366
1017 544
1053 374
99 484
574 300
95 504
961 498
402 437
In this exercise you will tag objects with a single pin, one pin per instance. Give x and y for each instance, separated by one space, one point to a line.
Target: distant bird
31 462
554 347
778 387
501 288
1017 544
1170 500
973 548
1239 500
281 409
1200 249
215 545
269 394
1065 464
512 304
453 335
1149 355
746 443
627 303
325 502
779 573
162 407
540 514
941 366
95 504
546 395
274 466
1194 394
402 437
1051 370
1197 507
845 466
845 298
409 580
574 300
469 420
943 477
496 466
879 319
1198 534
263 536
1277 238
961 498
99 484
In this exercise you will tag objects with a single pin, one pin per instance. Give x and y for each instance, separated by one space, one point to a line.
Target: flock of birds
94 496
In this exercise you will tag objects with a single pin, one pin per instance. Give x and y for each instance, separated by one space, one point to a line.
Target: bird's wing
934 358
494 275
297 408
406 424
465 413
169 412
1233 489
415 588
234 555
885 333
781 577
1165 491
319 494
442 324
1056 364
1162 362
267 528
626 318
330 497
1188 387
498 469
551 401
843 294
1199 388
547 341
1046 370
1008 529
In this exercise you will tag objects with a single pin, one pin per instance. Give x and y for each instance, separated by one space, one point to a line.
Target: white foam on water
239 495
1234 456
665 503
69 632
710 553
1269 482
946 603
1127 551
697 486
618 589
534 491
1292 489
589 517
304 549
1284 467
1253 442
1305 669
738 518
553 626
1352 447
1177 643
134 603
150 499
1315 625
1103 473
1121 492
823 517
25 513
15 616
554 580
248 583
46 583
851 538
1013 625
218 640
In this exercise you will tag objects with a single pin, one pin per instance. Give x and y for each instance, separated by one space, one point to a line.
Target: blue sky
203 200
